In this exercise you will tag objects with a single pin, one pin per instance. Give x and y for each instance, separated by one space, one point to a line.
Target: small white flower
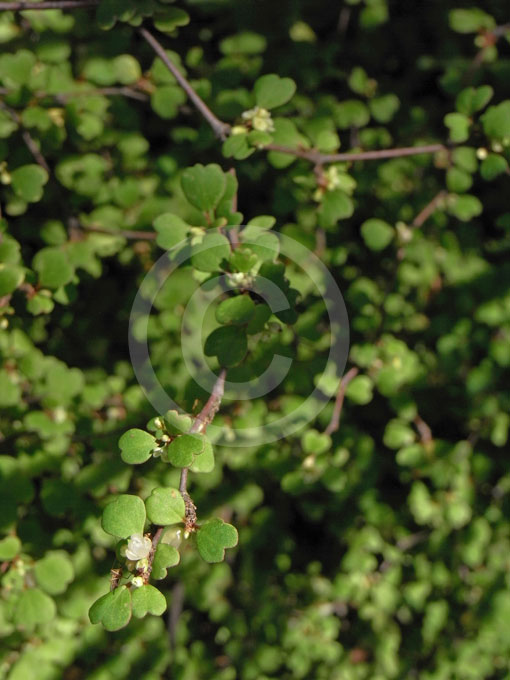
260 119
138 547
137 582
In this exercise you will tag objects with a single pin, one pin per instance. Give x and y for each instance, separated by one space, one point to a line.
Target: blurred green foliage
379 550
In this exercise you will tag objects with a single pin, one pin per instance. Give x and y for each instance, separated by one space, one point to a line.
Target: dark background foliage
379 552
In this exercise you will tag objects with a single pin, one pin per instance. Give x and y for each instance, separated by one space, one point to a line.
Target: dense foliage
206 520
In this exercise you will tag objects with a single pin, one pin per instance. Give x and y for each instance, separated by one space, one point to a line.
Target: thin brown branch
424 430
125 233
27 137
212 405
339 401
155 541
429 209
124 91
48 4
320 158
64 97
219 128
233 232
205 417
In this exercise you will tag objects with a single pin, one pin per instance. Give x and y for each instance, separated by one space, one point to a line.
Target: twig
222 129
233 232
205 417
63 97
27 137
125 233
320 158
429 209
124 91
155 540
423 429
48 4
219 128
339 401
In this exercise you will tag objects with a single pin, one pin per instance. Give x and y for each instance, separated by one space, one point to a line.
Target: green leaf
398 434
266 246
53 267
336 205
165 506
34 608
458 180
170 19
465 207
204 462
203 186
183 449
147 600
470 20
28 182
351 113
243 43
9 547
272 91
166 556
236 146
210 255
171 230
16 69
227 343
491 167
259 319
458 125
465 157
54 572
377 234
473 99
166 100
496 121
243 259
127 69
11 276
315 442
214 537
113 610
237 310
177 423
359 390
136 446
384 108
124 516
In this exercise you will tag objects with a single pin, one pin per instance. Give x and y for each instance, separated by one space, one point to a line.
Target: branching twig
48 4
339 401
205 416
429 209
27 137
320 158
220 128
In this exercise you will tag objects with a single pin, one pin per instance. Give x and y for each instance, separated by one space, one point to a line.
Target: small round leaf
136 446
124 516
165 506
